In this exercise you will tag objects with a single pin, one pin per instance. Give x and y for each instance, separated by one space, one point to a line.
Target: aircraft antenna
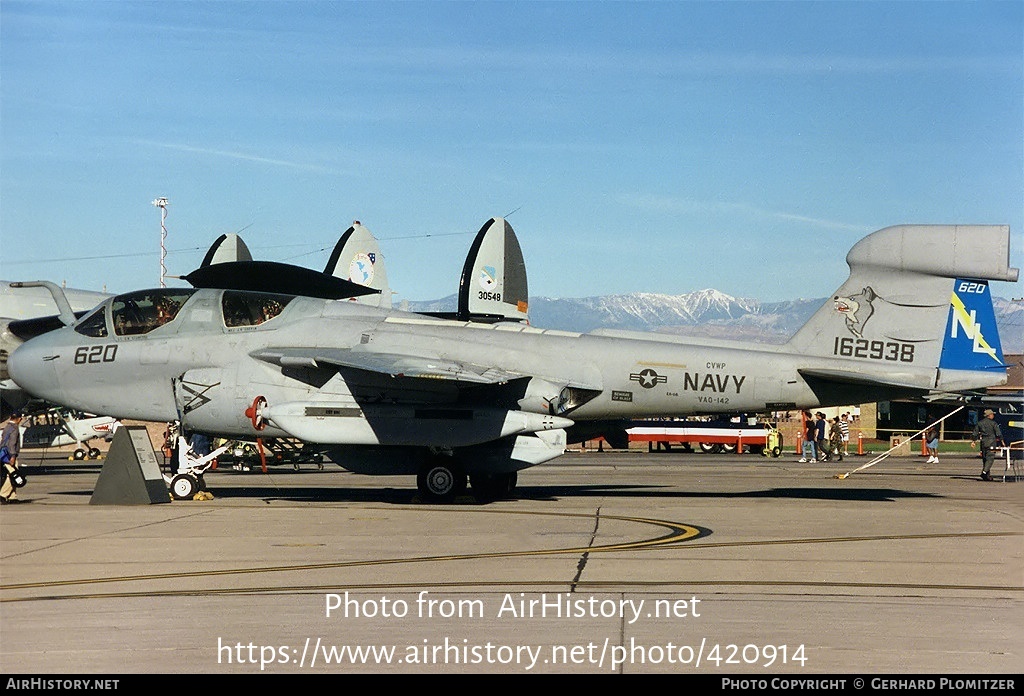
162 204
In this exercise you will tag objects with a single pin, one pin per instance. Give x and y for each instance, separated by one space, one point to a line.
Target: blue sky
658 147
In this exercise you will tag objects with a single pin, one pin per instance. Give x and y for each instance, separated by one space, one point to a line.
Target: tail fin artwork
226 249
917 297
493 285
357 257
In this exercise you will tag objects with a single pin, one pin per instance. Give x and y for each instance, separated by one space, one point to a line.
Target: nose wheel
184 486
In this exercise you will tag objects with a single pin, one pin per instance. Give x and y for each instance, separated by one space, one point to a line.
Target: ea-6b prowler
388 392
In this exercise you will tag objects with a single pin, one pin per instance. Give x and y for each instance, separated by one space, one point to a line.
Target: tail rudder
971 342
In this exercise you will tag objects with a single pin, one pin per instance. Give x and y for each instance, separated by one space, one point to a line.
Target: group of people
825 440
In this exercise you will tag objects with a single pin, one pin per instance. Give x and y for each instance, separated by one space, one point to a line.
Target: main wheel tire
94 453
441 480
710 447
184 486
79 454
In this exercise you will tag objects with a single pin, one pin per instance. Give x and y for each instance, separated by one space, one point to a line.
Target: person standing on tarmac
10 447
808 450
989 434
835 439
844 429
820 437
931 440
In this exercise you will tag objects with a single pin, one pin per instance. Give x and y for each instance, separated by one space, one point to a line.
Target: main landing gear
443 479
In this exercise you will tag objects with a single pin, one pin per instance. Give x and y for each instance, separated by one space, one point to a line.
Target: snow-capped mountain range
706 312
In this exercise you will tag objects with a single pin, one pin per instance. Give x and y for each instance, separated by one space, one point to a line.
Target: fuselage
198 364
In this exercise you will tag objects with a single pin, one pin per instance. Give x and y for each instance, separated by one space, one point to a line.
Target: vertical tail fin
357 257
226 249
917 297
493 285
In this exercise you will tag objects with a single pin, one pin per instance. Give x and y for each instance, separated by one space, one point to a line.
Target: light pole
162 204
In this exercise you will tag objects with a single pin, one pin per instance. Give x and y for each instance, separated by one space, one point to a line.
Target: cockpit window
251 308
141 312
94 325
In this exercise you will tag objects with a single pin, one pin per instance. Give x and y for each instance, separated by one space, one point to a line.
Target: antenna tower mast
162 204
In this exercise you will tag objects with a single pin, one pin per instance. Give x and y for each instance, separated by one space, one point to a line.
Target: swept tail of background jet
357 258
226 249
493 285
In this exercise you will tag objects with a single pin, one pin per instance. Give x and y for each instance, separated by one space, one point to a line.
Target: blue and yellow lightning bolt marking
973 330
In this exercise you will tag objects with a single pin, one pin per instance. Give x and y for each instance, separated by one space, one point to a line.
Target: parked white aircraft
385 391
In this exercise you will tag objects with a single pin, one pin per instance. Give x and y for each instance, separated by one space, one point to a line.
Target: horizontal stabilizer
831 386
858 378
271 276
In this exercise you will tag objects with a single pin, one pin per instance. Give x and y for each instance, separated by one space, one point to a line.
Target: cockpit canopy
251 308
134 313
140 312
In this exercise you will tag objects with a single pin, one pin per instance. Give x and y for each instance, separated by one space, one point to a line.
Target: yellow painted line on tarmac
676 532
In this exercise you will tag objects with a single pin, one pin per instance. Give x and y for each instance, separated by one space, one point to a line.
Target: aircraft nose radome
30 371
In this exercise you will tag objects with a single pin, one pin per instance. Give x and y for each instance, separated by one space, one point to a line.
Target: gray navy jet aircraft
383 391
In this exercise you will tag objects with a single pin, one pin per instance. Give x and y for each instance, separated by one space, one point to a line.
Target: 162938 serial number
894 351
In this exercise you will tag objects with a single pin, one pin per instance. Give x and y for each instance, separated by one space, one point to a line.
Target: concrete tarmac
623 562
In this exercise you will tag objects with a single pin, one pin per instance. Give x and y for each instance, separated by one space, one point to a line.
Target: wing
406 399
391 364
